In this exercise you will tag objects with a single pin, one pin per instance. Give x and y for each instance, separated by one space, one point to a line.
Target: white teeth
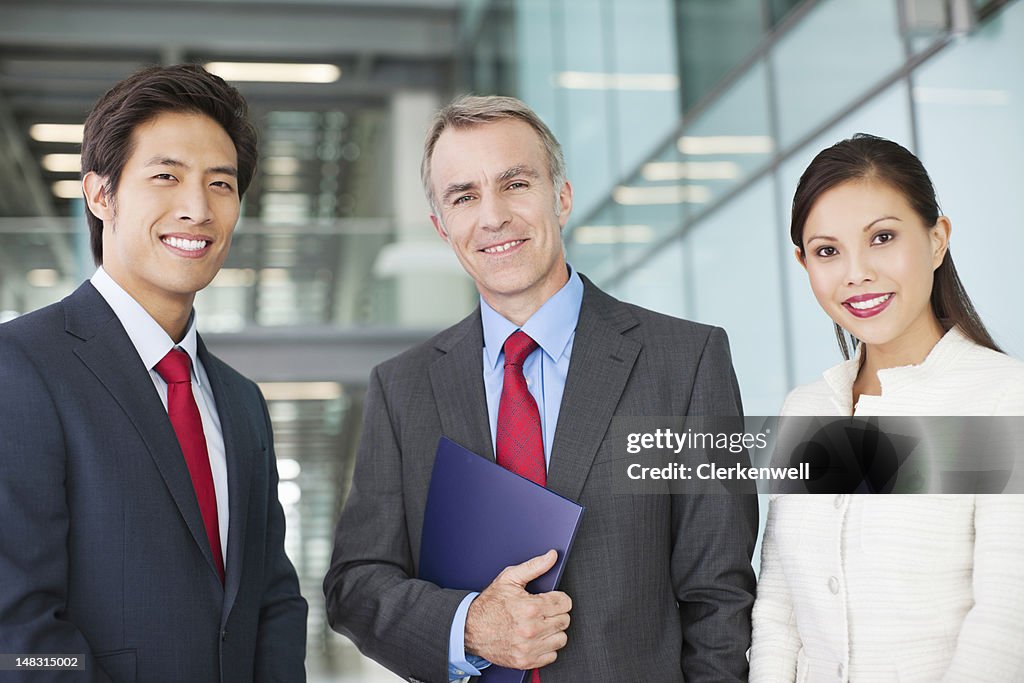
502 247
870 303
187 245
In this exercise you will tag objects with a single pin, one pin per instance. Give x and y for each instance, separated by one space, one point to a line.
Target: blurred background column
429 282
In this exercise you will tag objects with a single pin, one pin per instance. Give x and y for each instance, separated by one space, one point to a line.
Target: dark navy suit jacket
103 553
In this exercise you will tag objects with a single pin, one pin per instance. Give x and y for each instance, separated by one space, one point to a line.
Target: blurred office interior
685 123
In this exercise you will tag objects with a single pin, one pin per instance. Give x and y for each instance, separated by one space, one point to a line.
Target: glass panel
829 58
813 342
647 97
40 263
968 103
492 62
654 208
735 281
535 52
657 284
730 140
780 9
593 249
714 37
583 126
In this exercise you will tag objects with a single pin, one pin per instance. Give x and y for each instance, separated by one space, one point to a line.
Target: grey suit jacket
103 552
661 585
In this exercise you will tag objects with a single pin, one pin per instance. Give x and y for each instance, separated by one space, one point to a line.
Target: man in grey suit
141 535
659 587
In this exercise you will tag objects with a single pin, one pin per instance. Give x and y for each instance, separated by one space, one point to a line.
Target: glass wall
579 65
700 227
969 107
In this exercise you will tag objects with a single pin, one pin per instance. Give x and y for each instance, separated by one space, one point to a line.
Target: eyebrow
175 163
829 238
517 171
520 170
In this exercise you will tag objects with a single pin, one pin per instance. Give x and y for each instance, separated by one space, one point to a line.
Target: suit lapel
108 352
601 363
457 381
238 452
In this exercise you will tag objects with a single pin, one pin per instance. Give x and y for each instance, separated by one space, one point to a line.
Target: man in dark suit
660 587
141 529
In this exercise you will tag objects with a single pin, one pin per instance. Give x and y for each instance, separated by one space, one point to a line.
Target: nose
494 211
194 204
859 268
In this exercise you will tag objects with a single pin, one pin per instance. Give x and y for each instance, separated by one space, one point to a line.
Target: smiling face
167 229
500 213
871 261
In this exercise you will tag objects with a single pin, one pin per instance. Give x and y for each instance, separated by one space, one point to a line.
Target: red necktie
519 441
175 369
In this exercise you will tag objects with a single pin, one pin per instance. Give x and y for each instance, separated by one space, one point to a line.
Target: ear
99 201
564 203
800 258
939 235
439 227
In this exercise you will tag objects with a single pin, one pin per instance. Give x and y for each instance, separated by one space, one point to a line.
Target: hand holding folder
481 518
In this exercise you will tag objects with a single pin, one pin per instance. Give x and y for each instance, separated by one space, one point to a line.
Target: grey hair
474 110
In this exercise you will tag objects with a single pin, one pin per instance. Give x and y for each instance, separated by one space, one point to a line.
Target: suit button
224 634
833 585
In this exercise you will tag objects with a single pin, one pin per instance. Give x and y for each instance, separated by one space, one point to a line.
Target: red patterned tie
175 369
520 444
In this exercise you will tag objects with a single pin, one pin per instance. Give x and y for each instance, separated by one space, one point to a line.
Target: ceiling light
57 132
289 493
591 80
42 277
62 163
67 189
612 234
234 277
300 391
665 194
726 144
280 165
690 170
288 468
275 72
418 257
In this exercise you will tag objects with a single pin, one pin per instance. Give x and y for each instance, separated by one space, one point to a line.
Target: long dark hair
868 156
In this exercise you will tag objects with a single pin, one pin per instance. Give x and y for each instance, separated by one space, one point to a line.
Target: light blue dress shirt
553 327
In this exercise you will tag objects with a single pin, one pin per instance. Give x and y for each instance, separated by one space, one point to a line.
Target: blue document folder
481 518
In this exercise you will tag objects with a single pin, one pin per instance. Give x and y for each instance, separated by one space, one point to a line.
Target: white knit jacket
898 587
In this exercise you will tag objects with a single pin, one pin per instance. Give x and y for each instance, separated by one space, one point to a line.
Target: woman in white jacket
898 587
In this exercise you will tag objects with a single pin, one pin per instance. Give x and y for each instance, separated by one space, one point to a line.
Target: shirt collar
840 378
551 326
150 340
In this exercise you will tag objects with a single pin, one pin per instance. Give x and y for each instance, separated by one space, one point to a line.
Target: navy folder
481 518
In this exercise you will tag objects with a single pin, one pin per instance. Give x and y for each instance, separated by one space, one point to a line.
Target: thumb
522 574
